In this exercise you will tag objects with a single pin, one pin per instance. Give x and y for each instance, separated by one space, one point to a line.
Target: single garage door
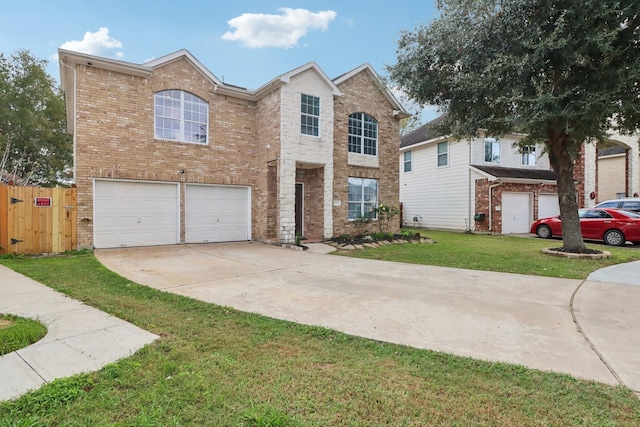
548 205
134 213
217 213
516 213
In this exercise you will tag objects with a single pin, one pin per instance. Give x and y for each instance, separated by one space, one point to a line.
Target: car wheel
614 238
544 231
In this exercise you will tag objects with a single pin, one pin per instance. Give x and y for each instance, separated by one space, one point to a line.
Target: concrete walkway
583 328
79 338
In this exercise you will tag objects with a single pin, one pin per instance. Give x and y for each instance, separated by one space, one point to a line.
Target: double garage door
134 213
517 210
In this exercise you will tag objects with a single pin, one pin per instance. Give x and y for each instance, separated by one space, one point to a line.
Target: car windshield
608 204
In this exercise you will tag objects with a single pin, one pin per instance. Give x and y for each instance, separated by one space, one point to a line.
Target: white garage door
128 213
548 205
215 213
516 213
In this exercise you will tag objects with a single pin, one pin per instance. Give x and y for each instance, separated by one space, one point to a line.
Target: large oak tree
34 146
565 71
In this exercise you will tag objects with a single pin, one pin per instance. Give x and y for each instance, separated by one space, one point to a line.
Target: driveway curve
511 318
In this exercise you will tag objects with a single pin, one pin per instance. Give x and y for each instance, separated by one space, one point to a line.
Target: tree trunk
562 164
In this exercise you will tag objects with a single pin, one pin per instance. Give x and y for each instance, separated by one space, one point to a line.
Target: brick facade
254 140
490 193
364 94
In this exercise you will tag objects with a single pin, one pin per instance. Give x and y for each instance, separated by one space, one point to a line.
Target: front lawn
510 254
215 366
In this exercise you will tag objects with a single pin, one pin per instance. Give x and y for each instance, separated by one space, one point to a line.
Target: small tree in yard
565 71
385 214
33 142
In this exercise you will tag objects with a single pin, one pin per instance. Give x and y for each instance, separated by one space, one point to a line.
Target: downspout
490 203
471 192
74 117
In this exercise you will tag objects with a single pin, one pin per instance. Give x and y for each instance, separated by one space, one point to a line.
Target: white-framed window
363 134
443 154
363 197
310 115
181 116
491 150
407 161
529 155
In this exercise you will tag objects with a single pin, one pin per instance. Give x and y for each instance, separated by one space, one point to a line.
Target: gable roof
286 78
515 174
424 133
180 54
398 109
69 59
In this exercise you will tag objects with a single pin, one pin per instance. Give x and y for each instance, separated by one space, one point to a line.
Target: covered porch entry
310 209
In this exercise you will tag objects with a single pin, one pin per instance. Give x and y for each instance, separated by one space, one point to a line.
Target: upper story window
443 154
310 115
181 116
491 150
407 161
363 134
529 155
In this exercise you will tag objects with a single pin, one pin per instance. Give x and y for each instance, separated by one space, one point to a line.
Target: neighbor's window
529 155
492 150
363 197
181 116
443 154
363 134
310 115
407 161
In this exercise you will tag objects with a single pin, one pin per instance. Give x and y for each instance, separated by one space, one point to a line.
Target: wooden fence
37 220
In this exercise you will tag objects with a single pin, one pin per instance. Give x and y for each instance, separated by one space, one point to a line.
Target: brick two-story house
167 153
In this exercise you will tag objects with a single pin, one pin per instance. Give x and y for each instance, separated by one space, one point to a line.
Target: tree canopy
34 145
565 71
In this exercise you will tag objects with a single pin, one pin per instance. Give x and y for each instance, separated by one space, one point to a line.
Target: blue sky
243 42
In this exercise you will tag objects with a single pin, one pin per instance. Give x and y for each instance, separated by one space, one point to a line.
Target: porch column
634 166
590 159
328 201
287 201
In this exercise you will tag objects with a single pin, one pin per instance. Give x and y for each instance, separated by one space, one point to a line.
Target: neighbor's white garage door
134 213
216 213
548 205
516 213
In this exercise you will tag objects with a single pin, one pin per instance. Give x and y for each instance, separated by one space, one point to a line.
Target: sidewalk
79 338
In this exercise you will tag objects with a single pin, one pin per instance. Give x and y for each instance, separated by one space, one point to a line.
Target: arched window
363 134
181 116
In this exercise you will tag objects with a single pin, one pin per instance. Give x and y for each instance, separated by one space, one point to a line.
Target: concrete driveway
519 319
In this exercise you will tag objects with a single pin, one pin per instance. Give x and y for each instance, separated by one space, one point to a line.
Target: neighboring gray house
484 184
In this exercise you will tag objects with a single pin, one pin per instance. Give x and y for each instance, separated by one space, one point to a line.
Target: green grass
510 254
18 332
220 367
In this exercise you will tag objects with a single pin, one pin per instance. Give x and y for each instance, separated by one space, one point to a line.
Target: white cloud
98 43
260 30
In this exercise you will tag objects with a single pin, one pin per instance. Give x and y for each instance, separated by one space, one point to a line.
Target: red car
614 226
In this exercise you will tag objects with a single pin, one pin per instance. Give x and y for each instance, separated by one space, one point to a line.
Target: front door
299 209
